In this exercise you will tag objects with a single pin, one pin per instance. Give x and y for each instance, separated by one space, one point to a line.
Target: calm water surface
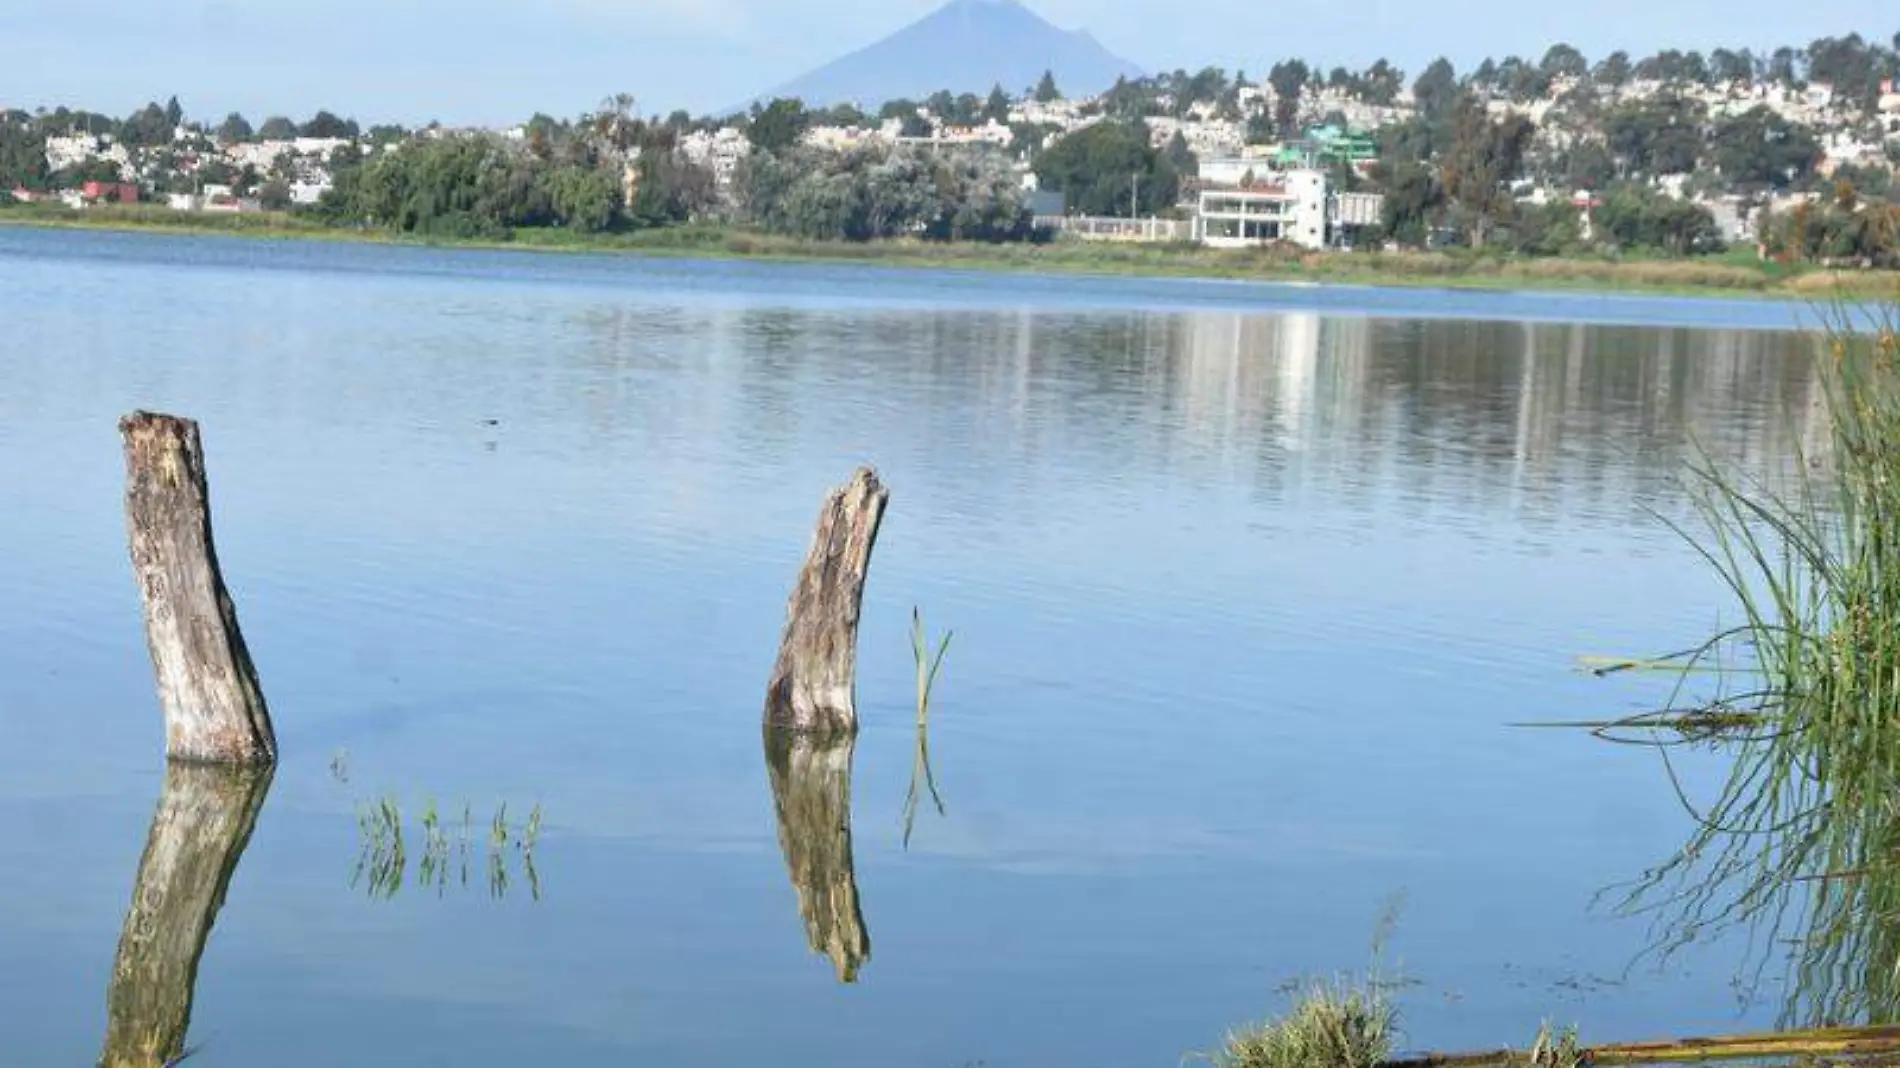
1248 584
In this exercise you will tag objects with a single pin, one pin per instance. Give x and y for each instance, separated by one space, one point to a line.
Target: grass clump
1334 1024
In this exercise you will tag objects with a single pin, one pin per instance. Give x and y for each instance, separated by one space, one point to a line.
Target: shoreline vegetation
1735 275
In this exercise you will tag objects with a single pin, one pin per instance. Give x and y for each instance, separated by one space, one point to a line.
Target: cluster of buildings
194 173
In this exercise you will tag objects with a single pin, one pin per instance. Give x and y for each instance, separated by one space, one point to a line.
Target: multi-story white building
1286 206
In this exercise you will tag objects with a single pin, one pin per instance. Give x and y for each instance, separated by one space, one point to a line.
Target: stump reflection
204 820
811 793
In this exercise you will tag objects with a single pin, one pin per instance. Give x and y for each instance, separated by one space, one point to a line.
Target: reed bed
1799 842
447 849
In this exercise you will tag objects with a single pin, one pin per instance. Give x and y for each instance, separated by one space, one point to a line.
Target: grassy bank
1738 275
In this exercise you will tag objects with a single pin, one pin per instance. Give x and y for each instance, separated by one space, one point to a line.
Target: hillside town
1791 153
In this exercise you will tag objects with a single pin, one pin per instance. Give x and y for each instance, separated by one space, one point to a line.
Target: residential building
1288 206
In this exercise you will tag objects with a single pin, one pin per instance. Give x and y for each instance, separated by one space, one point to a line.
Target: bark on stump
814 681
811 795
204 820
207 686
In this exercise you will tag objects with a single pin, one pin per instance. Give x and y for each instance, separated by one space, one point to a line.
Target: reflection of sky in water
1244 595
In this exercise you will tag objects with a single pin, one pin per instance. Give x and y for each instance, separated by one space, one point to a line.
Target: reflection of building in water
1280 378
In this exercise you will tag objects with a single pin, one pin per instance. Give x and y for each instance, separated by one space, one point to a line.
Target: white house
1292 209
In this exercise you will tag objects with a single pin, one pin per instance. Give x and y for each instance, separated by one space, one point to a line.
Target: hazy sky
492 61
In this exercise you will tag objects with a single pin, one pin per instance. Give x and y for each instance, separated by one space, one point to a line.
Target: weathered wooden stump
811 794
204 820
814 681
207 686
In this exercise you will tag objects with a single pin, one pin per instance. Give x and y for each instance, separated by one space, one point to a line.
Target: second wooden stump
814 681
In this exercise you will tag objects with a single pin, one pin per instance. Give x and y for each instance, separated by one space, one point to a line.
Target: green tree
277 128
147 127
274 195
1382 83
1614 70
996 108
777 126
326 125
1759 150
1180 156
1288 78
1726 65
1413 199
174 113
1661 135
1484 156
1634 217
1046 91
1100 167
1436 90
235 129
22 158
1564 61
586 199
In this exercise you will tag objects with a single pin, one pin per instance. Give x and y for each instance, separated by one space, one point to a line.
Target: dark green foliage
1634 217
471 186
671 190
1413 200
92 170
1564 61
324 124
1485 154
235 129
1656 137
1046 91
147 127
996 108
174 112
1760 150
1553 229
1099 167
277 128
875 192
1288 79
274 195
1180 156
22 158
1436 90
777 127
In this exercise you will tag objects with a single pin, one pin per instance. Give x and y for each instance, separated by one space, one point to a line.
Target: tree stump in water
811 795
814 681
207 686
204 820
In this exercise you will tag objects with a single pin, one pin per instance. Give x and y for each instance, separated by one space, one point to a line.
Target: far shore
1736 275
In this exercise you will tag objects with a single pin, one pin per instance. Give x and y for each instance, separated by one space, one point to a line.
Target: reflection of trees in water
204 820
1528 415
811 795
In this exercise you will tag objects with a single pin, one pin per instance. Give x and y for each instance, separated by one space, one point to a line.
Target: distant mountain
966 46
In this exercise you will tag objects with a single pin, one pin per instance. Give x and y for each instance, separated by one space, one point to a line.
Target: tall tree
1564 61
1436 90
996 108
1484 156
277 128
1614 70
1759 150
777 126
1046 91
1288 79
1100 167
234 129
174 112
324 124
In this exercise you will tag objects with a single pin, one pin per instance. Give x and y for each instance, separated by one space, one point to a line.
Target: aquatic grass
1804 830
1333 1024
928 665
383 860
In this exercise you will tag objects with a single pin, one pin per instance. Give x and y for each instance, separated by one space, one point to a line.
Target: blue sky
492 61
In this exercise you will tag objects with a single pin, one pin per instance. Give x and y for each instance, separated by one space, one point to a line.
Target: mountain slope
966 46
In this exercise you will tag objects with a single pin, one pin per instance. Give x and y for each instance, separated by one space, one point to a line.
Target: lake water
1248 586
